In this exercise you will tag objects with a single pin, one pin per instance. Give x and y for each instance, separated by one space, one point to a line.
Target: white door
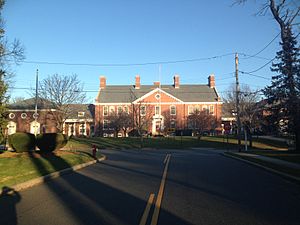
35 127
12 127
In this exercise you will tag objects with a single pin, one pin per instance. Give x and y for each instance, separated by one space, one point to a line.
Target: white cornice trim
154 91
156 103
31 110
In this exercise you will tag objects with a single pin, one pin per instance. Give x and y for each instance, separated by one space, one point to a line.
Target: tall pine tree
284 93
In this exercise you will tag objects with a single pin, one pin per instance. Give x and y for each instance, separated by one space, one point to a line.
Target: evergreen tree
284 93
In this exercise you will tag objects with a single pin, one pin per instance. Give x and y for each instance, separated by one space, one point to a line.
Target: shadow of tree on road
8 200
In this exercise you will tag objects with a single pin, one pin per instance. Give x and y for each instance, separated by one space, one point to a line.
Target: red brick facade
163 109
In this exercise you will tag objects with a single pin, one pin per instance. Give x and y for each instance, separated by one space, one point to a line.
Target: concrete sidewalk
278 162
271 160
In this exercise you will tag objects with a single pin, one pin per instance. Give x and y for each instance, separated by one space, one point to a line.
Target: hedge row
22 142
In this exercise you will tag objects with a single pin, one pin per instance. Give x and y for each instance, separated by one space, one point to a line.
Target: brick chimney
211 81
176 81
137 82
102 82
156 83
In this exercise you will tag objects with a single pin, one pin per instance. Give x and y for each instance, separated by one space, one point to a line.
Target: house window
82 129
190 109
173 110
120 110
157 96
80 114
105 110
35 115
111 109
126 109
211 109
172 124
23 115
197 109
143 110
205 109
157 110
105 124
11 116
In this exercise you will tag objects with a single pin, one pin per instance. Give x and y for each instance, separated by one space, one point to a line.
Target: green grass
292 172
20 167
174 143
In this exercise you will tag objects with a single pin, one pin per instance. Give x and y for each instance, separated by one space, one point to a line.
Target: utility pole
238 101
36 101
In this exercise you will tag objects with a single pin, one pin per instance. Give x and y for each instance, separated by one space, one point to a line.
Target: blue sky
121 32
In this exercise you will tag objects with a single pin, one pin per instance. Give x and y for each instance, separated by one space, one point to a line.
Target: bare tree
9 53
249 107
201 121
120 121
62 91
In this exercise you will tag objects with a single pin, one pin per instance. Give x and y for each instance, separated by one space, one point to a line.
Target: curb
48 177
282 174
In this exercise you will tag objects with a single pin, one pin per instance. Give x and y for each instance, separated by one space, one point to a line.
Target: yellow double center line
159 197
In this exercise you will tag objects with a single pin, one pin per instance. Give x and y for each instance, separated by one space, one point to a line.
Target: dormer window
81 114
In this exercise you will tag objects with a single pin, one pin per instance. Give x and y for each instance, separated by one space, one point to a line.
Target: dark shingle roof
186 93
30 104
88 109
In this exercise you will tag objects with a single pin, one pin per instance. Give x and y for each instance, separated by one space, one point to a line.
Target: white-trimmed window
126 109
81 114
11 116
173 124
157 110
35 115
120 110
190 110
143 110
197 108
23 115
211 109
172 110
105 111
105 124
111 109
205 109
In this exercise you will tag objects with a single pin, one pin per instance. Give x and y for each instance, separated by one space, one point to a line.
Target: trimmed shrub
50 142
22 142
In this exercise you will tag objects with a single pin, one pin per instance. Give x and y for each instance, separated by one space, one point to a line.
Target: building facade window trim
173 110
11 116
23 115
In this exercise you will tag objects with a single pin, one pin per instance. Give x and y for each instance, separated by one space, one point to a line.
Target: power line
125 64
262 66
255 75
251 56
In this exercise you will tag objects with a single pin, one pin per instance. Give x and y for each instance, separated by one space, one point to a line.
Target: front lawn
16 168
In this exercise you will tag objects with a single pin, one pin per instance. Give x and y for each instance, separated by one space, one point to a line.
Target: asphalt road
196 187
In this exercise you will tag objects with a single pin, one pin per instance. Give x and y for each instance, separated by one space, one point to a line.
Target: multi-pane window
173 124
111 109
173 110
205 109
190 109
105 110
81 114
211 109
197 109
157 110
126 109
143 110
120 110
105 124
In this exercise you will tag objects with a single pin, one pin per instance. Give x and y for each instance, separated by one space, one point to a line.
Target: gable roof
30 104
88 109
128 94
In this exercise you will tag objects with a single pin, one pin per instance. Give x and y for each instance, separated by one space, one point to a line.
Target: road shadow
9 198
86 200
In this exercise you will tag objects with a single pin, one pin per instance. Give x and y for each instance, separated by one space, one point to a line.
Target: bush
51 141
22 142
